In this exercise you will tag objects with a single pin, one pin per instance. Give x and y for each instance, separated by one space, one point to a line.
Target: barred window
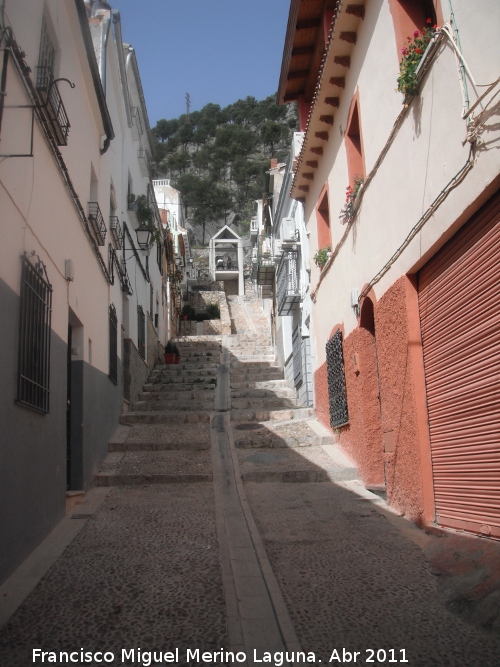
141 332
113 345
34 335
336 381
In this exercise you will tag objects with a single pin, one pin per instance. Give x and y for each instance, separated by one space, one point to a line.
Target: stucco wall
401 392
135 371
362 439
32 451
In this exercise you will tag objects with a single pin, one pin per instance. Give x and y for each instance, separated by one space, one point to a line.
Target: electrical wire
456 180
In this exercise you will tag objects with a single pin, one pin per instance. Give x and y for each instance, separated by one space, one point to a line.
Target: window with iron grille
337 396
113 345
297 357
141 332
34 335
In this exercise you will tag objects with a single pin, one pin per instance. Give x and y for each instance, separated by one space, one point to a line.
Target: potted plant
188 312
172 355
322 256
412 55
131 205
347 214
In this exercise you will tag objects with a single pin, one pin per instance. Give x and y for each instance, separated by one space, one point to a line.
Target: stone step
171 404
157 437
271 415
309 464
188 366
270 403
154 467
242 362
176 372
172 393
296 433
170 387
275 392
164 417
263 375
272 385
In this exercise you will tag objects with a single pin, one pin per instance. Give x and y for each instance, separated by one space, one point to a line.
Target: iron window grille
287 283
337 395
116 231
141 332
97 222
53 104
124 279
34 336
113 345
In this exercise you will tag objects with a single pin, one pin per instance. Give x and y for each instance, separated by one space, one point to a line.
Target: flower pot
170 358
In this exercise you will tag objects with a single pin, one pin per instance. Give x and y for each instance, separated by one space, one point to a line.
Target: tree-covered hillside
218 158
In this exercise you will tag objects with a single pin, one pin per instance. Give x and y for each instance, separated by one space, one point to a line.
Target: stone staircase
165 437
277 440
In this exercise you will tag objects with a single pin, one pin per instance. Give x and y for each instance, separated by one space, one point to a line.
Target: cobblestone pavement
230 554
352 580
144 572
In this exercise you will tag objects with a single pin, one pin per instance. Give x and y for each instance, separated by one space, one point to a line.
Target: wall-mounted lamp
355 300
143 236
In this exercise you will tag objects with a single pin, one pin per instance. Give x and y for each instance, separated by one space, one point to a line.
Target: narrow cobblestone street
225 517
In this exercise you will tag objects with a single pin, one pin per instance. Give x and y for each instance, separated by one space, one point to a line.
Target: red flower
416 33
408 39
434 27
428 21
418 50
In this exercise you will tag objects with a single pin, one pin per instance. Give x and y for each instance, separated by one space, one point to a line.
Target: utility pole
188 106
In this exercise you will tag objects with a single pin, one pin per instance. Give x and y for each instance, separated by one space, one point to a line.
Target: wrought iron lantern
143 236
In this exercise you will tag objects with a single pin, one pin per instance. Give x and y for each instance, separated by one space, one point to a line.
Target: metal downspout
121 63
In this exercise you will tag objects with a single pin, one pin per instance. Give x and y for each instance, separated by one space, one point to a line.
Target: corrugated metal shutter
459 301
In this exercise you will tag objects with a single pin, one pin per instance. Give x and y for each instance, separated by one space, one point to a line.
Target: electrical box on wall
69 270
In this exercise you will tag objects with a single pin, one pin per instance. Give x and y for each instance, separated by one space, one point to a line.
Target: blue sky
216 50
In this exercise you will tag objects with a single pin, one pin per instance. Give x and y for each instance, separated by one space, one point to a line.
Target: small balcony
288 282
53 105
97 222
143 158
266 270
116 231
137 124
254 228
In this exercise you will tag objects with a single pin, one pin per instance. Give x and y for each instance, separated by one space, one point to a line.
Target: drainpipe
121 63
3 83
104 44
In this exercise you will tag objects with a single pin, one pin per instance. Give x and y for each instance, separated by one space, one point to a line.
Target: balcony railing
143 158
137 124
97 222
53 104
116 231
288 282
266 269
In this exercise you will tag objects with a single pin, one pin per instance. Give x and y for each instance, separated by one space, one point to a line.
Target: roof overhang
329 88
308 23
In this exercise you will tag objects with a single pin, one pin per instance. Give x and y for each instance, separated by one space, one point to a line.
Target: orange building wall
407 469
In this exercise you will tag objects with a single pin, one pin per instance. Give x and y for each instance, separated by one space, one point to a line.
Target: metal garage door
459 301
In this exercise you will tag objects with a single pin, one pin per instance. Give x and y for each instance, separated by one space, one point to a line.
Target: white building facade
84 307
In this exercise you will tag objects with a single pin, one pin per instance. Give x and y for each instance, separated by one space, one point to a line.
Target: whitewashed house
83 307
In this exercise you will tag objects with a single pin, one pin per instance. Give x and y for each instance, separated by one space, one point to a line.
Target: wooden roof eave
328 92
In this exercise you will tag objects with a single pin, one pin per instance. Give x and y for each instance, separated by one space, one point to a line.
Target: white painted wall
426 153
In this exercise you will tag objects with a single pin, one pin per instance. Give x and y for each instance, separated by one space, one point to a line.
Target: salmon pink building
399 177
